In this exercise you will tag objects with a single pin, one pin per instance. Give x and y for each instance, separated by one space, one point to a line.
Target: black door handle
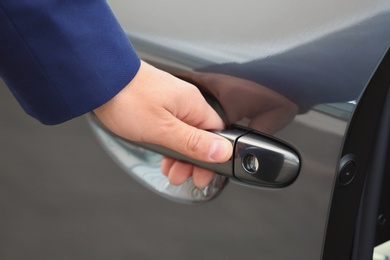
256 160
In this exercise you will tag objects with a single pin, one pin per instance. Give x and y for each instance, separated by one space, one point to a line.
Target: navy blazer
62 59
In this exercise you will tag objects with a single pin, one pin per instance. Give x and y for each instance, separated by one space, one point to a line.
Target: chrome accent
144 166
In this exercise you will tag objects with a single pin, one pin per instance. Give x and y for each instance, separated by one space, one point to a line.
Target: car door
309 78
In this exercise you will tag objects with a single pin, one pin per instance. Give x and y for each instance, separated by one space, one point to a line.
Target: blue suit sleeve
62 59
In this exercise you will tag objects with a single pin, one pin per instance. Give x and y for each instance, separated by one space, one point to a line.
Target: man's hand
156 107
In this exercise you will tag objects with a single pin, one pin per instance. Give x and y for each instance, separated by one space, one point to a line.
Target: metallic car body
315 57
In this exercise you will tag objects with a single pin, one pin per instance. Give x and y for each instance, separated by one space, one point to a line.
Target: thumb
198 144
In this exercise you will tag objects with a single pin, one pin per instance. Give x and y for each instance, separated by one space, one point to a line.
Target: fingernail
218 150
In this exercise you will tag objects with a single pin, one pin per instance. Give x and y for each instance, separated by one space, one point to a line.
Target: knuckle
194 141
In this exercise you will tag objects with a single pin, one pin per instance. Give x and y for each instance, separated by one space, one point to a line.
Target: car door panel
293 71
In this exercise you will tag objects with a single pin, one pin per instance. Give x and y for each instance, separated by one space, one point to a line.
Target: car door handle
257 159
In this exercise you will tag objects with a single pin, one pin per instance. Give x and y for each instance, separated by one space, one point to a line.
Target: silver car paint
290 37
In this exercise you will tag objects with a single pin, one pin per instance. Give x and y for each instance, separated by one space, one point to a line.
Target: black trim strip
360 143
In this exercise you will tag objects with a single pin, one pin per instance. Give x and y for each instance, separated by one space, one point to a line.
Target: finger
192 108
192 113
179 172
166 165
202 177
196 143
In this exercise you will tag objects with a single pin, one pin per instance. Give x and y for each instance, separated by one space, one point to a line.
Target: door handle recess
257 159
